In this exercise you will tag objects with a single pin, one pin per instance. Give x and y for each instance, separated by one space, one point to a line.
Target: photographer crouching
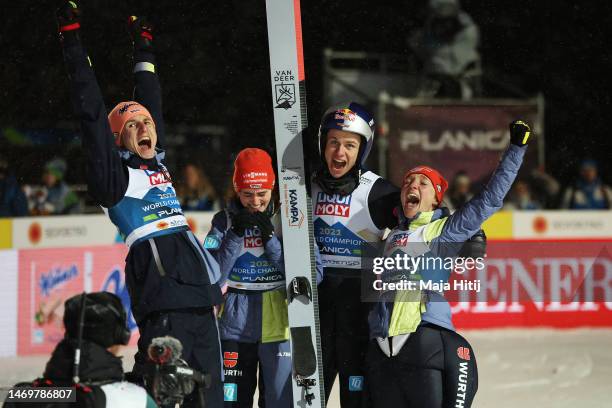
87 358
87 363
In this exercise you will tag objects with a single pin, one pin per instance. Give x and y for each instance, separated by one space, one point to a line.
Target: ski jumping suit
341 224
415 358
170 277
253 322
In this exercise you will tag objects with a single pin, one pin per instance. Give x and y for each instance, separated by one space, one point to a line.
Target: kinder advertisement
557 284
47 277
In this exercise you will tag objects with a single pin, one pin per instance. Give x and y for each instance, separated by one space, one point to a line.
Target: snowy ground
517 368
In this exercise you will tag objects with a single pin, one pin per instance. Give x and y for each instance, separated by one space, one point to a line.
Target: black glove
519 133
141 31
241 221
68 22
475 247
262 221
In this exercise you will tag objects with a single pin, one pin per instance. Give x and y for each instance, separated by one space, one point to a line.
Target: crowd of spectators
588 192
540 190
54 196
13 202
536 191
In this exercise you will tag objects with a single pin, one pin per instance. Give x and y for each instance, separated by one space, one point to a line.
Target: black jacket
98 367
187 281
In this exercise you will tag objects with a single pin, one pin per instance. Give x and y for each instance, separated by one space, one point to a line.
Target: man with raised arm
171 279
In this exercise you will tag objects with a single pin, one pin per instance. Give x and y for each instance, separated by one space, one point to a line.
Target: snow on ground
541 368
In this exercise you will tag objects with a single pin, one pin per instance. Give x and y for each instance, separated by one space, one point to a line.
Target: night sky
213 62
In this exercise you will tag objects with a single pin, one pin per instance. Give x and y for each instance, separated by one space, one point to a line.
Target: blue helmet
350 117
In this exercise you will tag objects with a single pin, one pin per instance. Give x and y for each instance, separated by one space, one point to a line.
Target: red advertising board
529 283
457 137
47 277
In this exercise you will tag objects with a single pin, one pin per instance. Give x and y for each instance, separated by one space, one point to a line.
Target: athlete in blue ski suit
253 321
170 277
415 358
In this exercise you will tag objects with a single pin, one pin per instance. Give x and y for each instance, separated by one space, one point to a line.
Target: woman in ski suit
253 320
415 357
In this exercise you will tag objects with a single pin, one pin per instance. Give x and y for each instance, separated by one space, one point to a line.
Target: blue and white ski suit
253 321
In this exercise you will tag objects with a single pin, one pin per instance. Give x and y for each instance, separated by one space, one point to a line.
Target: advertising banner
499 225
561 283
47 277
77 230
8 303
6 233
200 222
457 137
523 284
555 225
63 231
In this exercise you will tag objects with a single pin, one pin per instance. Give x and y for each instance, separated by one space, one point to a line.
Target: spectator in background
588 192
544 188
196 192
13 202
459 191
55 196
447 48
520 198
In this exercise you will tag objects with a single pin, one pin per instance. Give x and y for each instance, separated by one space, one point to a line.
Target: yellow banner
6 233
499 226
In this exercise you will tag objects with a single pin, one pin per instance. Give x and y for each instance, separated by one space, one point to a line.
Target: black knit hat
105 320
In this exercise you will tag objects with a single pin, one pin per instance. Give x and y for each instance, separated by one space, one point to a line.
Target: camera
168 378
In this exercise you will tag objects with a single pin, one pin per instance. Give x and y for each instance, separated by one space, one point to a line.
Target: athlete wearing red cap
415 357
424 189
253 320
171 279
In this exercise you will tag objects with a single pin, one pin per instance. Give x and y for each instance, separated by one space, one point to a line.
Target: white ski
289 103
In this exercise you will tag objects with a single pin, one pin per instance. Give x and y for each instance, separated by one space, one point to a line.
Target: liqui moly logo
252 238
336 205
